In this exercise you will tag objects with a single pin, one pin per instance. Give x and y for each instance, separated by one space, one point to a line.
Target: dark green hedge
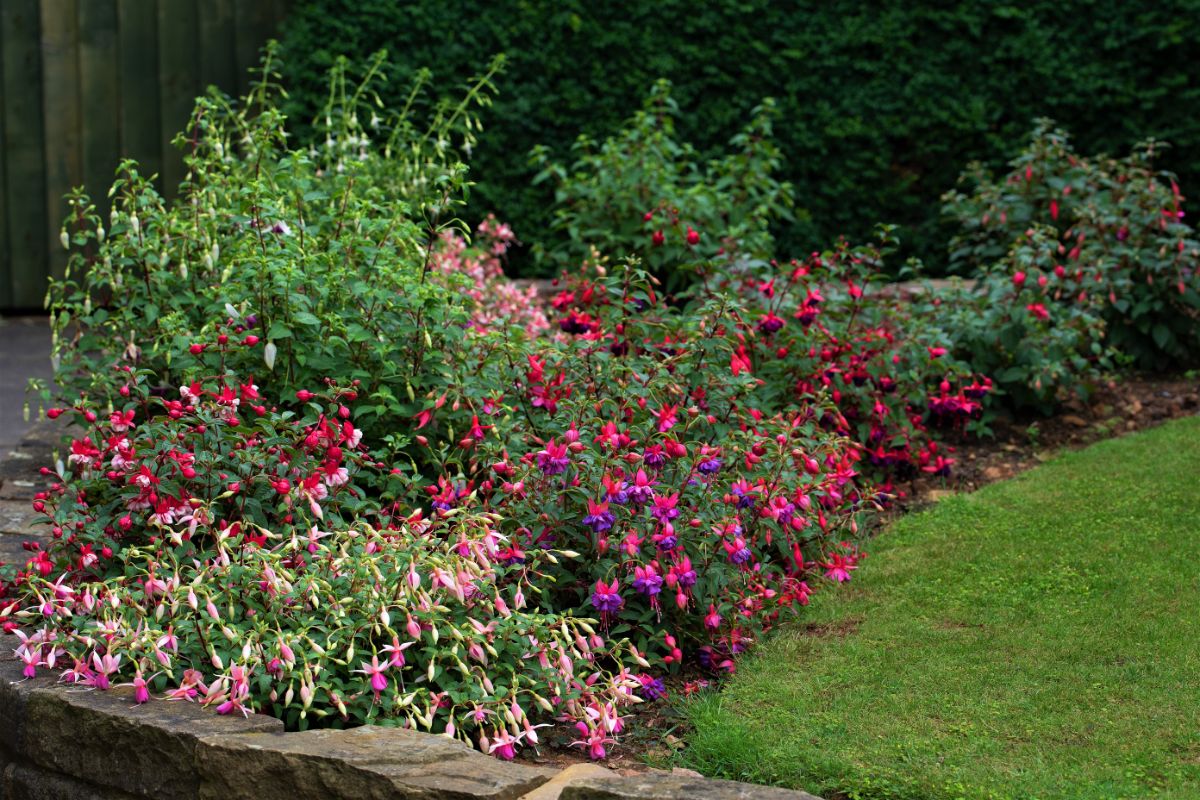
882 104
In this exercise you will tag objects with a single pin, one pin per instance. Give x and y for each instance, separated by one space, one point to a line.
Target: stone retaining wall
64 743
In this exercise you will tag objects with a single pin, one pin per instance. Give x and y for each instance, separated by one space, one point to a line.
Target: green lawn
1037 639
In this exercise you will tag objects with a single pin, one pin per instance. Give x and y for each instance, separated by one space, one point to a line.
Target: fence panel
85 82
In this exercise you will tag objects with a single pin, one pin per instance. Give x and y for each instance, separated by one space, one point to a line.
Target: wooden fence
87 82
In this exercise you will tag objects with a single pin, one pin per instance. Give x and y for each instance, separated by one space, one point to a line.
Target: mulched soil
1132 404
655 731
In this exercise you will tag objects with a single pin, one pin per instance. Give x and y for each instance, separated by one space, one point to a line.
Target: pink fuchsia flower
395 651
594 741
1038 310
375 670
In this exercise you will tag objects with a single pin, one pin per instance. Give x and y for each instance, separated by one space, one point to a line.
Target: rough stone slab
15 690
552 789
372 763
669 786
24 782
147 750
18 517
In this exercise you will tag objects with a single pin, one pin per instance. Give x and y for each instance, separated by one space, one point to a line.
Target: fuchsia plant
240 560
700 516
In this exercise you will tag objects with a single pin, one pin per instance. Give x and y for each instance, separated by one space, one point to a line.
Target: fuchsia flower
606 598
1038 310
553 459
375 670
598 518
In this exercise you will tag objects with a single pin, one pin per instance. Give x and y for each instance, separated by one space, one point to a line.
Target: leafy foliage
1089 238
879 107
643 193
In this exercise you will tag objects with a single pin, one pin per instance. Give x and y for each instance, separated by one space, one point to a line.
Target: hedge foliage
882 104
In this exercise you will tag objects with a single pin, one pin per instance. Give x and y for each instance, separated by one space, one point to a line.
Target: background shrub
1066 235
880 104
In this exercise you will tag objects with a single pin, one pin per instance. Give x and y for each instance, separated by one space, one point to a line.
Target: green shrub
880 105
1077 240
643 193
286 265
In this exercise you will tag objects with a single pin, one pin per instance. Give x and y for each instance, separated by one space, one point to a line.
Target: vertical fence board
25 189
60 110
255 24
218 57
177 80
137 42
86 82
5 263
101 99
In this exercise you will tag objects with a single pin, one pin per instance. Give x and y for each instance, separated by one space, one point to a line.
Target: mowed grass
1037 639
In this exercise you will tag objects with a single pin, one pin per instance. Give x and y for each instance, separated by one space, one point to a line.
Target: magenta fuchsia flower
375 672
553 459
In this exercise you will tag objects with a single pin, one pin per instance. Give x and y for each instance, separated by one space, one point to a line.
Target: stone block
31 783
368 763
657 785
147 750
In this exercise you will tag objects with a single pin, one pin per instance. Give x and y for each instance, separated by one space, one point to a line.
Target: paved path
24 354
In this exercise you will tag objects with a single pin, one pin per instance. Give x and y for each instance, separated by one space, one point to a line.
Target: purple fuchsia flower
744 493
654 457
647 580
664 509
770 323
606 598
710 463
737 550
653 688
598 518
641 491
683 572
666 539
554 459
615 489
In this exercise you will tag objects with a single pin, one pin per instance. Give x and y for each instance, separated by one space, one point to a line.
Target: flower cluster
240 563
498 301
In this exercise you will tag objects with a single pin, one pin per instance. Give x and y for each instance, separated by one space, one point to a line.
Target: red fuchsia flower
936 352
553 459
1018 279
1038 310
657 238
610 436
739 362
